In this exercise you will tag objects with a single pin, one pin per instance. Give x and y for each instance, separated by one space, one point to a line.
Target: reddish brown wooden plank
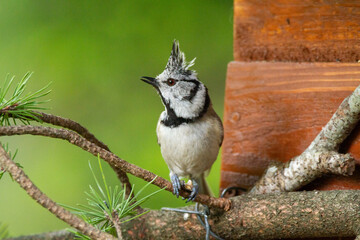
274 110
297 30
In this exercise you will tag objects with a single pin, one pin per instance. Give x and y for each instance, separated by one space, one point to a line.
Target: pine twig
116 222
111 158
21 106
20 177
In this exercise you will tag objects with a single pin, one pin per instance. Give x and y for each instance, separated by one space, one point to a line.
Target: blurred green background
94 53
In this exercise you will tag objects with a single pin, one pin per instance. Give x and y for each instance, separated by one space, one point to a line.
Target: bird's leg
176 183
194 190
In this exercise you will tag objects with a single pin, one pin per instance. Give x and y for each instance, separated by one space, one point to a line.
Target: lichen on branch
320 157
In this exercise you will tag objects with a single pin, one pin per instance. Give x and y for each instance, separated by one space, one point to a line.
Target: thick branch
20 177
303 169
320 157
340 125
111 158
269 216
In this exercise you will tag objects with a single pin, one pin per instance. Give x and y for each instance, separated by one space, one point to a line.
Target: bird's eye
171 82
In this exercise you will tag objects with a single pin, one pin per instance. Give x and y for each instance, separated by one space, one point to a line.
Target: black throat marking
173 121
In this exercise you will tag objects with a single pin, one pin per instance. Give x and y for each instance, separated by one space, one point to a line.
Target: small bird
189 131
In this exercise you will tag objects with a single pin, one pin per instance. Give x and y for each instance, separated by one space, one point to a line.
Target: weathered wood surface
297 30
274 110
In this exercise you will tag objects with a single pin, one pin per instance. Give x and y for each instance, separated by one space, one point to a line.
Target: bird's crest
177 62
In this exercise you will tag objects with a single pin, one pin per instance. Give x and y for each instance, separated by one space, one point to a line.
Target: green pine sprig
107 204
20 106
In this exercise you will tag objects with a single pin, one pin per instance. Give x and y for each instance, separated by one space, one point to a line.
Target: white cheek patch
184 89
187 109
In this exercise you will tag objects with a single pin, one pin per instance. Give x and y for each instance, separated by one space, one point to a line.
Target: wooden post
274 109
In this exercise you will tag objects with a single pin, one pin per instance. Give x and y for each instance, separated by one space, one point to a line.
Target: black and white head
184 96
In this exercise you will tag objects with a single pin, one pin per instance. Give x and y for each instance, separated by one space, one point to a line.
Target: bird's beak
150 80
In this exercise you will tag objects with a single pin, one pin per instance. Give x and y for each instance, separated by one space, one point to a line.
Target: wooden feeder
294 63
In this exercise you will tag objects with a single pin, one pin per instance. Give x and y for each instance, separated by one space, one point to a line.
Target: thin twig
58 235
111 158
72 125
76 127
116 222
20 177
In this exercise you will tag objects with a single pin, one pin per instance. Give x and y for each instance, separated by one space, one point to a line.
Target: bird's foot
176 183
194 191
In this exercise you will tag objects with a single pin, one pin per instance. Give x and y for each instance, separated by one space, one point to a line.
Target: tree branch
76 127
56 235
111 158
320 157
340 125
116 222
264 216
20 177
303 169
72 125
267 216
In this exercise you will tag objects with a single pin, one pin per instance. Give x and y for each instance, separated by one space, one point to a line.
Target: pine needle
20 106
101 205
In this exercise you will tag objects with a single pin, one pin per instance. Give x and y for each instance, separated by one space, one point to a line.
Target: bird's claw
176 183
194 191
179 184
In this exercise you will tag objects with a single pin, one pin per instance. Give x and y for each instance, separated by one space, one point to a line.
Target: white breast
190 149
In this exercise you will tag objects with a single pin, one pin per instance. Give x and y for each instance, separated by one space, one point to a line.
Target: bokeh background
94 53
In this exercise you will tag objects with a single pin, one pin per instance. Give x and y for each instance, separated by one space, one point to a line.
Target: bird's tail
204 187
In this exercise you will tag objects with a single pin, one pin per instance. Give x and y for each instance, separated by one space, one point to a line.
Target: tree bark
265 216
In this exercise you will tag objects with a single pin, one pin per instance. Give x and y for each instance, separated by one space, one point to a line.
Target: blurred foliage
94 53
